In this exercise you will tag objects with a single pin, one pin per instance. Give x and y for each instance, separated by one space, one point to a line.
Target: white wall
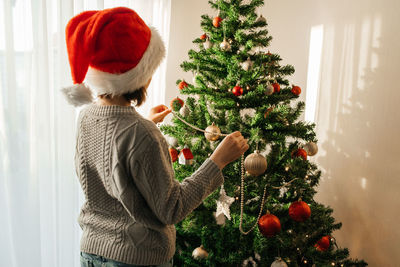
356 105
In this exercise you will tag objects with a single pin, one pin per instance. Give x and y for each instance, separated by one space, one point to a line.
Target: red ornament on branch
300 153
178 101
277 87
299 211
237 90
296 90
203 37
269 225
323 244
182 85
173 153
217 22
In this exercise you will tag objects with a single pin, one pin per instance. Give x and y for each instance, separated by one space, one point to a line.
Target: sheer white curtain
40 195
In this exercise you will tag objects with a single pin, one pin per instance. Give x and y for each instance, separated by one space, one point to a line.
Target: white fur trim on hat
78 94
119 84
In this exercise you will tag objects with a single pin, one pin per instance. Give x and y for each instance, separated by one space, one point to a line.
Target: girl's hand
158 113
230 149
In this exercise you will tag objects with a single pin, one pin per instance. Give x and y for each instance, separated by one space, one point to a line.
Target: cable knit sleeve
154 177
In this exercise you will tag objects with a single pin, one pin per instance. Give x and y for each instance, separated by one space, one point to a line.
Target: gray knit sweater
132 198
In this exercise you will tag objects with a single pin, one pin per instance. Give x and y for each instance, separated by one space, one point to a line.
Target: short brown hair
138 96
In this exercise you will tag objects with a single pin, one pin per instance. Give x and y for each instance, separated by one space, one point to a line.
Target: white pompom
78 94
172 141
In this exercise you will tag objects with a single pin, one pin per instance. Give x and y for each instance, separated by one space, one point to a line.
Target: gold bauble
255 163
200 253
311 148
212 132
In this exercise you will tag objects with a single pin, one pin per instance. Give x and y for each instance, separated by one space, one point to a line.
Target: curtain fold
40 196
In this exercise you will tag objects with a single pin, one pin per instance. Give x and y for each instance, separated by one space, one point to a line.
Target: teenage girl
132 199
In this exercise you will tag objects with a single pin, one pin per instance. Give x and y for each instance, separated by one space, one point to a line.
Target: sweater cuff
211 170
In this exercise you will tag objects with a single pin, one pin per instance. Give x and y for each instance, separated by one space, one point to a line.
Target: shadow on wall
358 127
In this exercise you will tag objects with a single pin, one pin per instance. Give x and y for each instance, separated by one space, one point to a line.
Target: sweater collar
110 110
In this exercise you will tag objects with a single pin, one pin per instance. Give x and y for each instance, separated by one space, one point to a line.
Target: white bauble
269 90
207 44
311 148
184 111
225 45
279 263
200 253
247 65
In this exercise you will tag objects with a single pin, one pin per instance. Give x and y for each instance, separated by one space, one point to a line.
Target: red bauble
269 225
300 153
237 90
182 85
178 101
217 22
296 90
203 37
277 87
324 243
174 154
299 211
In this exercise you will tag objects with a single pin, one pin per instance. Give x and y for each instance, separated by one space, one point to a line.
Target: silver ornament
225 45
200 253
255 163
247 65
279 263
184 111
311 148
269 90
207 44
223 204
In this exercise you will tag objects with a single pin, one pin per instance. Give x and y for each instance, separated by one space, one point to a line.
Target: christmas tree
265 213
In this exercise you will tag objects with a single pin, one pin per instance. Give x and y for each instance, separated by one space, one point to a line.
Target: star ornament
223 204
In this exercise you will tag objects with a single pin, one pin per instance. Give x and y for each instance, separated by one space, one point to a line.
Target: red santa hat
114 50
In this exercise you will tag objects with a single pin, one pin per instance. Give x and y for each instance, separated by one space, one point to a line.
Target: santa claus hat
114 50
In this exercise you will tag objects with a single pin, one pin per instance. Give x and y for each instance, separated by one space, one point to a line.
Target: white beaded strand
242 181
